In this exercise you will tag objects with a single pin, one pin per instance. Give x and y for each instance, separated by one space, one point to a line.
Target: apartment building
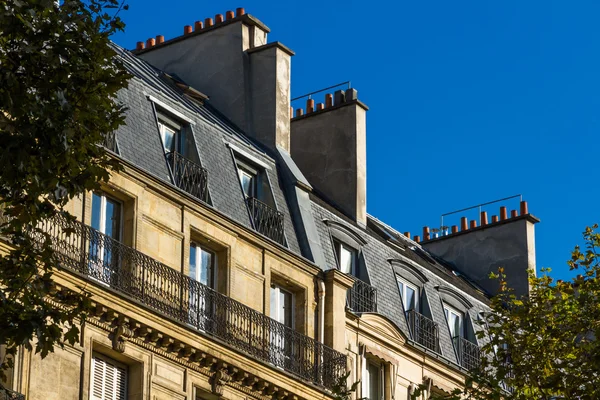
233 257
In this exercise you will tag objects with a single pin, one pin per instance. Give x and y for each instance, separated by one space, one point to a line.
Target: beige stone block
160 243
56 377
248 287
167 374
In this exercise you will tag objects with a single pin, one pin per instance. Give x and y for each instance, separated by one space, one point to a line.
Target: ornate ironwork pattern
362 297
7 394
108 262
188 176
468 352
266 220
424 331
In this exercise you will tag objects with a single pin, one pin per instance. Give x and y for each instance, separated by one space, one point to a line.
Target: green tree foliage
544 346
58 81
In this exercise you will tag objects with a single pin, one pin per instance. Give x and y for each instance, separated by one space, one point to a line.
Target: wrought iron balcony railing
423 330
266 220
362 297
468 352
7 394
108 262
188 176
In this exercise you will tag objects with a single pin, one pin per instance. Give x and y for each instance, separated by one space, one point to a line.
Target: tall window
108 380
170 133
202 265
373 381
346 257
409 294
249 180
455 321
202 269
106 219
282 306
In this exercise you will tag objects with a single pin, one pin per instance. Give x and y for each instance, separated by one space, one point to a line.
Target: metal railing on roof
188 176
423 330
468 352
266 220
362 297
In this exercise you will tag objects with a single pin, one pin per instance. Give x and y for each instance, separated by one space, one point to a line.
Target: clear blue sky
470 101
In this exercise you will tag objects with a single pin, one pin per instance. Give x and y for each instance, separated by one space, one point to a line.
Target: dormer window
248 179
346 257
170 133
455 320
409 294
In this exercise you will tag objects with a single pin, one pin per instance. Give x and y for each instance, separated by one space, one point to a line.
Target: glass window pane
96 207
193 250
373 371
205 270
274 298
168 137
346 259
113 219
410 298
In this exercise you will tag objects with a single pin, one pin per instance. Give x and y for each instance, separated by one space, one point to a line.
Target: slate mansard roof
138 141
384 252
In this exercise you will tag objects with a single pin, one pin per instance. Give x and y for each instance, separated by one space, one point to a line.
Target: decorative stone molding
122 329
120 334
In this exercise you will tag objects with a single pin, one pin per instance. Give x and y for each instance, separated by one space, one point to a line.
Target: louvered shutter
109 380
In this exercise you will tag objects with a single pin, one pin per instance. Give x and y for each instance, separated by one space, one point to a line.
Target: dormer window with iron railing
187 174
361 297
266 219
467 351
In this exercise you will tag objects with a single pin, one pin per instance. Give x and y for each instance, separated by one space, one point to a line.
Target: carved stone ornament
219 379
120 336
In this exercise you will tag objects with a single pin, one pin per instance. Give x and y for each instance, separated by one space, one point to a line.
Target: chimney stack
329 146
478 251
229 59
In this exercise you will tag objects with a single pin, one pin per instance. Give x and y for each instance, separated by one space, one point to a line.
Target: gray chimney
229 59
476 251
329 146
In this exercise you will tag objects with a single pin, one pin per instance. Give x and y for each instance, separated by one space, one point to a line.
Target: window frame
278 290
103 202
116 365
164 123
406 284
448 309
214 263
338 246
253 173
367 376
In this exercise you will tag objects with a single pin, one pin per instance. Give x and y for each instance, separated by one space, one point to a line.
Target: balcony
424 331
468 352
188 176
110 263
362 297
266 220
7 394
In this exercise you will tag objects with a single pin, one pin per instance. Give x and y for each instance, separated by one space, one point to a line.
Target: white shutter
109 379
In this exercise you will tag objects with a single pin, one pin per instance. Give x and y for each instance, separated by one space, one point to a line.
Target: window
107 219
108 380
202 265
373 381
455 321
106 215
282 306
249 180
170 133
346 257
409 294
